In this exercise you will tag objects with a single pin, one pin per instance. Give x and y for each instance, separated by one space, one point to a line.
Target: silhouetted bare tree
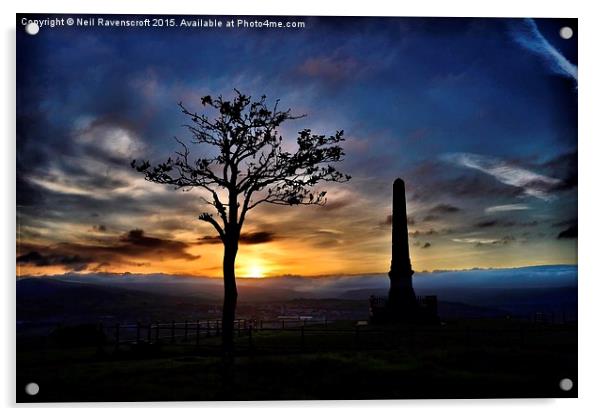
248 167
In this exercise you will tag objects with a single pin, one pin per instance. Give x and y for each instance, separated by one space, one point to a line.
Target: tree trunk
230 296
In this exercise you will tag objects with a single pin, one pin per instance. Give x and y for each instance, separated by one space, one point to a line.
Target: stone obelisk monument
402 299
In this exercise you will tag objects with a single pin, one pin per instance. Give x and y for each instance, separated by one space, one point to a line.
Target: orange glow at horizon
308 241
296 258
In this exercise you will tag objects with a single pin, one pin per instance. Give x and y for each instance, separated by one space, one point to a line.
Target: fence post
173 332
283 324
198 332
303 337
261 324
149 335
157 332
325 322
467 336
186 331
137 332
356 337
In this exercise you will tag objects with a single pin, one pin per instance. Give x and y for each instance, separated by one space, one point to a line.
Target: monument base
404 308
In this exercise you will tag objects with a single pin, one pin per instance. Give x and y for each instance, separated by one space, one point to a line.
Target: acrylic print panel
268 208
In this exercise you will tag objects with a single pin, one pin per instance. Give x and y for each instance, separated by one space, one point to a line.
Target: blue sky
479 116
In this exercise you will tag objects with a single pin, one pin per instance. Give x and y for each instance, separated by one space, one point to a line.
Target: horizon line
319 276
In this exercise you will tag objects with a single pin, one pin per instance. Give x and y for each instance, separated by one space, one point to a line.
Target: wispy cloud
478 242
531 183
508 207
475 240
526 33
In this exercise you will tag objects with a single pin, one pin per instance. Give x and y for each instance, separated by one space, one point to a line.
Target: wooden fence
301 335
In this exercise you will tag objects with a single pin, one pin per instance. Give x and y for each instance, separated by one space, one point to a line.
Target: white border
590 151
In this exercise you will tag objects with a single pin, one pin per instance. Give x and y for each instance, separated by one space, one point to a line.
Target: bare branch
205 216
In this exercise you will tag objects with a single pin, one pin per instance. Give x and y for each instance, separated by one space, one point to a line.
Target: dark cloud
210 239
27 194
258 237
128 248
569 233
563 167
566 223
505 223
136 242
99 268
69 261
486 224
442 209
137 238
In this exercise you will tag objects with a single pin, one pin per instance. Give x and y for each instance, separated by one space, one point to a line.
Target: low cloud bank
441 283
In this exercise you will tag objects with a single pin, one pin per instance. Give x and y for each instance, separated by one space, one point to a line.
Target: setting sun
256 271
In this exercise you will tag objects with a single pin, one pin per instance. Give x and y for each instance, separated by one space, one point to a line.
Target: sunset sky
478 116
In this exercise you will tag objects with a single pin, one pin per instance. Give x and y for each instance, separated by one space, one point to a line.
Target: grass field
478 358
